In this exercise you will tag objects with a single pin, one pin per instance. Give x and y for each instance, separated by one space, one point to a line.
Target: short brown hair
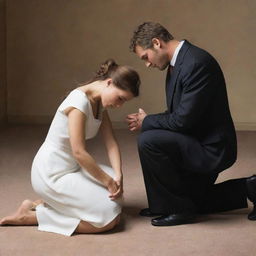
145 32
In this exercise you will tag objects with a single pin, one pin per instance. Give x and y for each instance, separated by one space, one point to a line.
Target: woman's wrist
119 177
119 174
107 180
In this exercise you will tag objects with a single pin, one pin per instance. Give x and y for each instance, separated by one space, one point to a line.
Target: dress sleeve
76 99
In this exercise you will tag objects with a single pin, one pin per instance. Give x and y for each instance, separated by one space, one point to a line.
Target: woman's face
113 97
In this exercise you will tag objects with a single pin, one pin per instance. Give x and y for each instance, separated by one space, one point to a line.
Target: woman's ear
109 81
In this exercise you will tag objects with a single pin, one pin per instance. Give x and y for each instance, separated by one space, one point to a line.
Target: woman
78 195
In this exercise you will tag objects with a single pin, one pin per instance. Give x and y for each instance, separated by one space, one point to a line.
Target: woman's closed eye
121 99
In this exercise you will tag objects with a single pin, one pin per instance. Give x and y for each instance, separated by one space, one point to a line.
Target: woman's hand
112 188
119 192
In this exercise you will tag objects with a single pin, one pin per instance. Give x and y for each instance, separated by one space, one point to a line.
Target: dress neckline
89 104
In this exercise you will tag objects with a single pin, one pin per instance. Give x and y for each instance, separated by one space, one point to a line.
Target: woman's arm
112 148
76 126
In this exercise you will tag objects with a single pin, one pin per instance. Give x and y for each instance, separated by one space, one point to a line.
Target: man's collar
176 52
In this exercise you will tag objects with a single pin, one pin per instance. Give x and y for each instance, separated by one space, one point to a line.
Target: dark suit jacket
197 105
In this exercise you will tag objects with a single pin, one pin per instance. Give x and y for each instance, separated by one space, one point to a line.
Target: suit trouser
179 176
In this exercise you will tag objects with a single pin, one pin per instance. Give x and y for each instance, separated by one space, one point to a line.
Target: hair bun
105 67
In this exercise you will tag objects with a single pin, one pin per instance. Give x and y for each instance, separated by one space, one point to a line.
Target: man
183 150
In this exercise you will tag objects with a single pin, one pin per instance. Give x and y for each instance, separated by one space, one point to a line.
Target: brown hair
123 77
145 32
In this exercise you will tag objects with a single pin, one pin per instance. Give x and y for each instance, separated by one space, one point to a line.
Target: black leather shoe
251 194
173 219
252 214
147 213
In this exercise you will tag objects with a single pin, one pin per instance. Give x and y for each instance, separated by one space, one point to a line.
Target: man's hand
135 120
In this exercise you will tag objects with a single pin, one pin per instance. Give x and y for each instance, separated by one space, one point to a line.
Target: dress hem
72 231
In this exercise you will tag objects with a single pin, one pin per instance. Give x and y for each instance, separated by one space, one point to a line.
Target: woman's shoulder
77 99
78 93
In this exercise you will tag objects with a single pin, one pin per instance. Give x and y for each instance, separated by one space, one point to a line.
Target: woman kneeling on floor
77 194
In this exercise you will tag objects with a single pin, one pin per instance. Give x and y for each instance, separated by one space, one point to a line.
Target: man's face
155 57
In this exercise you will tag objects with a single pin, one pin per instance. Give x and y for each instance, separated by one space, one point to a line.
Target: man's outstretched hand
135 120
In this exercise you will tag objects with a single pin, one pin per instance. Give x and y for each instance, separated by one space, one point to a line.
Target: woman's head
122 83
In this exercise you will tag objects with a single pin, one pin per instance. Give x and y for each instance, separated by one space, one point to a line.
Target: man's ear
156 43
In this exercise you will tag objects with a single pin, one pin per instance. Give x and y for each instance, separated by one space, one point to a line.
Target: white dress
70 193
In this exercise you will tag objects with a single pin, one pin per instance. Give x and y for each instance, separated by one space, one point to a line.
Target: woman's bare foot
23 216
36 203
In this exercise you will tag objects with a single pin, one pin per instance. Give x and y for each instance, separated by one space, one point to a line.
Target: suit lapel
171 87
168 86
171 82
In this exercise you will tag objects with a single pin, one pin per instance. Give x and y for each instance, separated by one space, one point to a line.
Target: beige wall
2 63
51 44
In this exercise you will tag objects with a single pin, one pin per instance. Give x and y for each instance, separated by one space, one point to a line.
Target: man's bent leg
160 160
179 177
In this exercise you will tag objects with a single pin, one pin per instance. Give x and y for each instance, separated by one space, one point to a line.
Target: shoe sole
174 223
151 215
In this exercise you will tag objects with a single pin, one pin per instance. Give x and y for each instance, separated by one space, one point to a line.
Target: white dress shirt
176 52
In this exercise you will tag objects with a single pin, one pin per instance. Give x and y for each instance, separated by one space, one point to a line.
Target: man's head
150 42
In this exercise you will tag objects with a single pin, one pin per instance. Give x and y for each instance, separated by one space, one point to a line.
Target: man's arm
199 90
